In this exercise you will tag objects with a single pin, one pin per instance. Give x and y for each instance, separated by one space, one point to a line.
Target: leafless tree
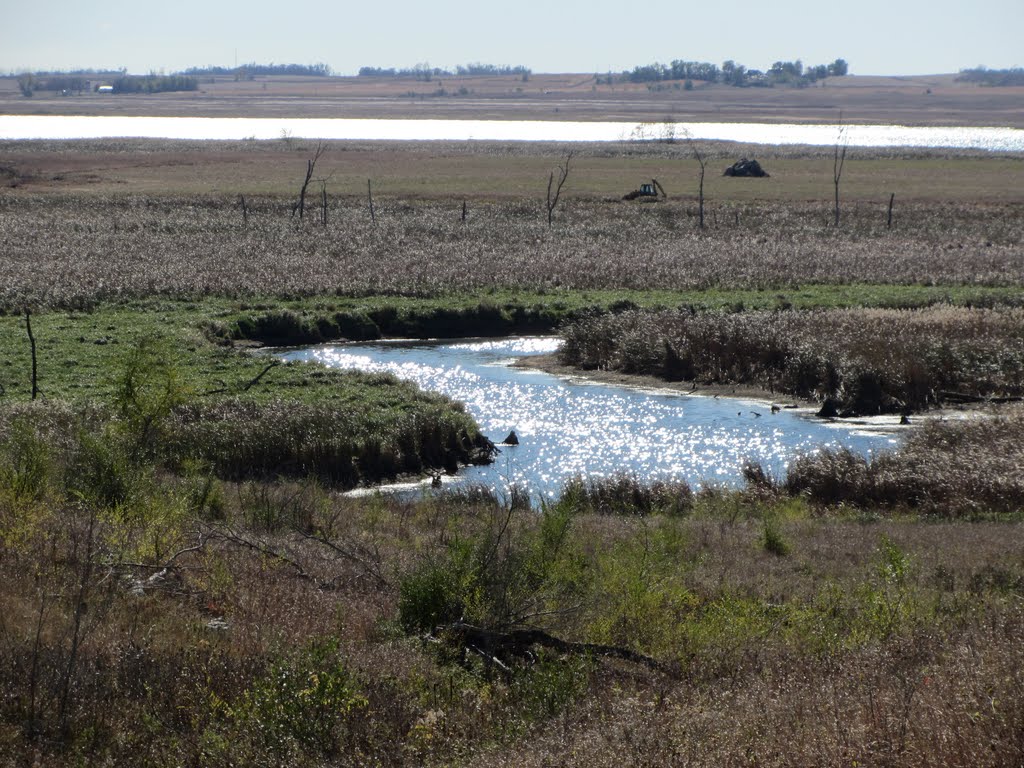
702 162
563 174
838 161
310 167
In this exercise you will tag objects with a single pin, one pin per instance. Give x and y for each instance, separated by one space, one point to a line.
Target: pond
994 139
569 427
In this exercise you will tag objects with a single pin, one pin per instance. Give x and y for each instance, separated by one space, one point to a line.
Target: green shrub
772 538
26 463
499 578
303 703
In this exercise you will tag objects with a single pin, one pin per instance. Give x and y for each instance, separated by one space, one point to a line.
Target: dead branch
310 166
563 174
370 568
252 382
231 536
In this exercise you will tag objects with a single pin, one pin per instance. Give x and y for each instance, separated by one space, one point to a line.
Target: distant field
919 100
477 171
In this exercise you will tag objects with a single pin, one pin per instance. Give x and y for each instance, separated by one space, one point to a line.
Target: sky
876 37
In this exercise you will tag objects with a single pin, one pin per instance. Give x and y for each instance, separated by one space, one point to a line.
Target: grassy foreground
196 621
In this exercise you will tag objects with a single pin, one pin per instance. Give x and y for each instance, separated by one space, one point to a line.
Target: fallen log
501 646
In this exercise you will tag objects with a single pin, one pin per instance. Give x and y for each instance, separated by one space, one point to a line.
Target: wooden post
892 197
245 211
463 211
32 344
302 192
323 210
369 195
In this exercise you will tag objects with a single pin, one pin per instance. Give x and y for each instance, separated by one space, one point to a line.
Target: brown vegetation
965 468
867 361
69 251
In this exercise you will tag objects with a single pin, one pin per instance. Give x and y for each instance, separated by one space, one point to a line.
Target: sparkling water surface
570 427
996 139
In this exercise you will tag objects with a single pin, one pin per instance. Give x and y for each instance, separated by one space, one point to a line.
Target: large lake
570 427
229 128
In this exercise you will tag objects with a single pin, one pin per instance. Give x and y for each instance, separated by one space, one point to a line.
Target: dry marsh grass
72 251
964 468
866 360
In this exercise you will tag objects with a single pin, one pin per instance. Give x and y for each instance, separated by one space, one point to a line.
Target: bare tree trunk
369 195
463 211
837 164
32 345
892 199
302 192
245 210
702 161
563 174
310 167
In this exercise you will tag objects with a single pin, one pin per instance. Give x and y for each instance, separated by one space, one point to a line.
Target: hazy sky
874 36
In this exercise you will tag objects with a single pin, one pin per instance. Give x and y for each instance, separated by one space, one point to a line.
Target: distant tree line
154 83
731 73
44 73
994 77
478 69
74 81
426 73
252 69
423 72
29 83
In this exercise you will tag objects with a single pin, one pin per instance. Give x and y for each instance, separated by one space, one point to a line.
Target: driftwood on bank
500 647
